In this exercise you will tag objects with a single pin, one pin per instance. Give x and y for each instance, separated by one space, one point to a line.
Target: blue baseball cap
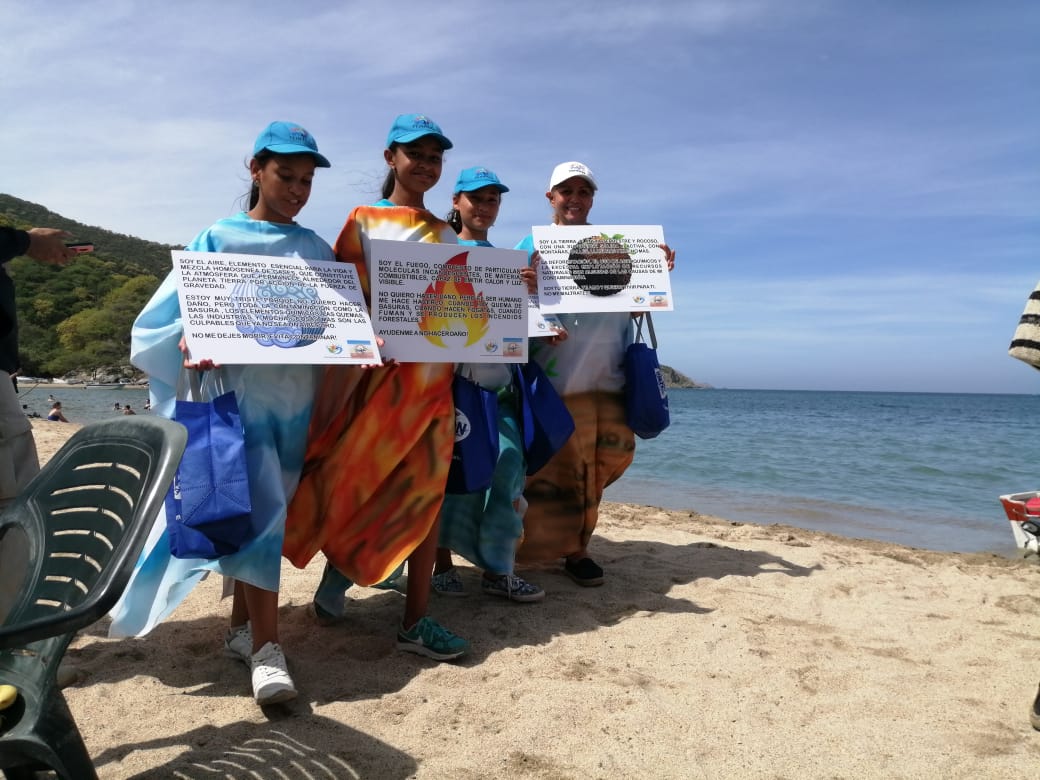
476 179
412 127
289 138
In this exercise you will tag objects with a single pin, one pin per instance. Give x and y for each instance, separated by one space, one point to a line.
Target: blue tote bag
646 400
475 454
208 510
545 421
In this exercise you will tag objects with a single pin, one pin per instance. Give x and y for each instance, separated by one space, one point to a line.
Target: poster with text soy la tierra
250 309
448 303
602 268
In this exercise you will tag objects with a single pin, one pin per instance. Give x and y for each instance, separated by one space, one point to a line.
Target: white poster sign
242 309
590 268
539 324
445 303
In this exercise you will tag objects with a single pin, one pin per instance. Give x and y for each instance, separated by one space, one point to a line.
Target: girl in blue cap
275 404
381 439
486 527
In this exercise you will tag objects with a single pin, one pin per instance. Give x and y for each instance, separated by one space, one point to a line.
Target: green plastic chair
68 545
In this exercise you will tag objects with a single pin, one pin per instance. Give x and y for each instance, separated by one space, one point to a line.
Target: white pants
19 462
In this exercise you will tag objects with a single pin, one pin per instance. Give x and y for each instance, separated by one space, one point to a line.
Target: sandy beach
714 650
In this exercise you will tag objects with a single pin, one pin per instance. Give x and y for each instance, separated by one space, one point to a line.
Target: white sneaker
271 681
238 644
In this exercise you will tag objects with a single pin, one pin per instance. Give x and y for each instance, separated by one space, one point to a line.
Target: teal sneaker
393 582
430 638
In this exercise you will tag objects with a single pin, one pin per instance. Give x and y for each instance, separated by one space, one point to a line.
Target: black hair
390 180
454 218
261 158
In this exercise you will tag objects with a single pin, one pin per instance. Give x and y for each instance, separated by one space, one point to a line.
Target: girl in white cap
275 404
564 495
381 438
486 527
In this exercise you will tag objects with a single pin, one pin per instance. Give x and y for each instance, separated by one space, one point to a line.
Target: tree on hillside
48 295
101 336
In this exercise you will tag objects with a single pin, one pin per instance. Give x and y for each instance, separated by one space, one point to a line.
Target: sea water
919 469
81 404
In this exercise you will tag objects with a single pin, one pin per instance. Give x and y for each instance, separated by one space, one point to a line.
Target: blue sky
853 187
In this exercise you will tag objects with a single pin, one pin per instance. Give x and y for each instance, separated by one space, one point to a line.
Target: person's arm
13 242
44 244
669 256
48 246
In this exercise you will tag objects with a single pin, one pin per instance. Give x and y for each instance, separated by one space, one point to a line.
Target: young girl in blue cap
275 403
486 527
381 439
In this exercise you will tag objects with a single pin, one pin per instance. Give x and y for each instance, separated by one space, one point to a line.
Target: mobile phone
82 247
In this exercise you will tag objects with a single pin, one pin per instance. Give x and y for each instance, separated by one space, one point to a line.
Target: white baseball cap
568 170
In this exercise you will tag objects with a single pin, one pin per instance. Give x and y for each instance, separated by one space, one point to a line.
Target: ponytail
388 184
391 179
253 197
454 218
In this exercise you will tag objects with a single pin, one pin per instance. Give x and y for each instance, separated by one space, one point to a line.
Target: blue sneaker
430 638
448 583
511 587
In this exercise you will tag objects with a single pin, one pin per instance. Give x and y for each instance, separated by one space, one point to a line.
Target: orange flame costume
380 439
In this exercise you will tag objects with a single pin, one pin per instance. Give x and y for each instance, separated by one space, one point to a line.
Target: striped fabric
1026 343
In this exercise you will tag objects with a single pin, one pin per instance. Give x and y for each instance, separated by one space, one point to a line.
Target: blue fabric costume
275 403
485 528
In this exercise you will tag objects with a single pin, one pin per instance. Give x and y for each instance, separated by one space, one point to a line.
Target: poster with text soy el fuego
446 303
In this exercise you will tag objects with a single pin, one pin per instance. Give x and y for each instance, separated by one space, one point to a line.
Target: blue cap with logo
412 127
289 138
472 179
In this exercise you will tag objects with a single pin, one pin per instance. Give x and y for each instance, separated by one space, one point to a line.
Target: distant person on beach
486 527
564 495
275 404
19 461
381 438
55 415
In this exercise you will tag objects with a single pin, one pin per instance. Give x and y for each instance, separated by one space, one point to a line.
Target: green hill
127 252
77 318
676 379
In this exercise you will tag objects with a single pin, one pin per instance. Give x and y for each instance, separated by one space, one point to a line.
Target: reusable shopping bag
545 422
208 510
475 454
1025 345
646 400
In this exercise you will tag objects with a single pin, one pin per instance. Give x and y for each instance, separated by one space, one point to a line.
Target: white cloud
827 172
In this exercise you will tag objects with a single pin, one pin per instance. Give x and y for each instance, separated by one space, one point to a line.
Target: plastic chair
68 545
